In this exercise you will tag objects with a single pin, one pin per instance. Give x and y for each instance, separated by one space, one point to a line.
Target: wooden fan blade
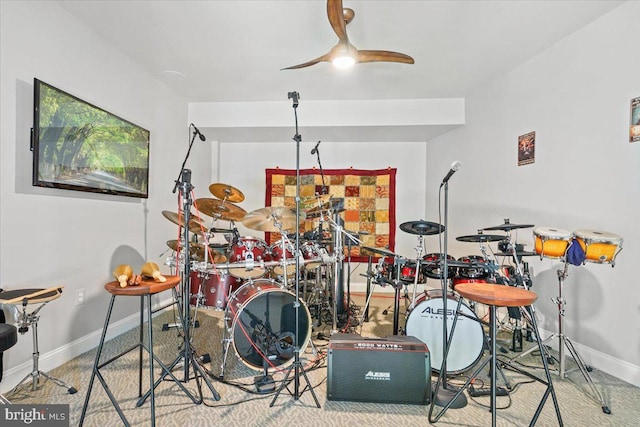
383 56
322 58
336 18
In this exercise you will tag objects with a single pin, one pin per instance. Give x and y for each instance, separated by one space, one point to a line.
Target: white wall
63 238
575 96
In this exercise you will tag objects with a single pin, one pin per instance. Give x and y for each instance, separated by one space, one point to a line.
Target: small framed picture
634 124
526 148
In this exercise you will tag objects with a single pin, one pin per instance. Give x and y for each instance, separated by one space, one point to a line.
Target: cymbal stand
338 245
564 341
296 366
419 247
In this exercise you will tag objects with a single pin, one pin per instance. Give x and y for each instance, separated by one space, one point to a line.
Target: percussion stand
564 341
418 249
25 320
296 367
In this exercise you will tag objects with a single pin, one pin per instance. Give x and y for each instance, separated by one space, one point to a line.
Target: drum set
252 281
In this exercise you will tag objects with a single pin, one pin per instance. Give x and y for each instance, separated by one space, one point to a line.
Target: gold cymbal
195 223
226 192
266 219
219 209
196 251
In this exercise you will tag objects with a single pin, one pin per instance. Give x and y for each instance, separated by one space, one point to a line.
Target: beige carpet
239 405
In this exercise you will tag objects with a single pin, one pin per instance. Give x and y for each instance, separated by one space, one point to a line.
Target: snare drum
433 268
473 271
408 272
551 242
599 246
252 252
278 256
425 323
212 290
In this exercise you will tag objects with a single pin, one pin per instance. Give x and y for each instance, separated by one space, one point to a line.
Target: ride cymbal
220 209
268 219
195 223
226 192
421 227
507 226
477 238
196 251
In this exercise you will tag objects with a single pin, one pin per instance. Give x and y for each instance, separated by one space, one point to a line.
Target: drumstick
34 294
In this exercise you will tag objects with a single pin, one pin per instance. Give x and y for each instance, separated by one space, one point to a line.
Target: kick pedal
477 392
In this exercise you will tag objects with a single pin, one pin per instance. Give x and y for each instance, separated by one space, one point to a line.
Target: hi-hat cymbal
267 219
313 202
220 209
507 226
477 238
421 227
226 192
195 223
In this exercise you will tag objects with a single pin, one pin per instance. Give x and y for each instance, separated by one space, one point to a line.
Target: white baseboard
59 356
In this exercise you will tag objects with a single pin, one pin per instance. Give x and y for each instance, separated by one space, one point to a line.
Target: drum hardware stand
563 341
31 319
446 396
418 249
296 367
187 354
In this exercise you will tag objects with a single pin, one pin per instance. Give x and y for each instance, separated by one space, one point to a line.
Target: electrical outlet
80 296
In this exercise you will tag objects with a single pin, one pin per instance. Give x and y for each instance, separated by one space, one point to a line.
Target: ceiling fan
344 54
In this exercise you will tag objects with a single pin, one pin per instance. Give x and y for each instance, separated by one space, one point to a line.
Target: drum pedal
265 384
477 392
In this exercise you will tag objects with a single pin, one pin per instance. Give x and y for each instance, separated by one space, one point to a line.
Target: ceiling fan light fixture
343 61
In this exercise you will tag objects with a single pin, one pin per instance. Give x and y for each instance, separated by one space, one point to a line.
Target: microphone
315 149
454 167
294 96
202 138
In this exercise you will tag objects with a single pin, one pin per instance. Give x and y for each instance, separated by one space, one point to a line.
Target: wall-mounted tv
78 146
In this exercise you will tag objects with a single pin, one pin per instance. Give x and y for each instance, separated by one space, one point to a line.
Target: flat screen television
78 146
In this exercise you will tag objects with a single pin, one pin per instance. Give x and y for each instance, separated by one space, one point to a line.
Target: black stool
506 296
8 338
144 289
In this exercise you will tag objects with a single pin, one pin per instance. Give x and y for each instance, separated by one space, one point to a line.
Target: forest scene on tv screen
79 146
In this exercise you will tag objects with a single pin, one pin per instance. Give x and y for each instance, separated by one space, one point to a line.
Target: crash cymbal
226 192
421 227
265 219
480 238
380 251
507 226
195 223
219 209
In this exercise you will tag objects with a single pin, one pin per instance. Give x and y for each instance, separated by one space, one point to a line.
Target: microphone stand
297 365
445 396
187 355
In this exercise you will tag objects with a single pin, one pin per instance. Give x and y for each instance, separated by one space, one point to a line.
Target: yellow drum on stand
599 246
551 242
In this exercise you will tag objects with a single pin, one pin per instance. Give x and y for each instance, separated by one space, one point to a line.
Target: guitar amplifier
396 369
